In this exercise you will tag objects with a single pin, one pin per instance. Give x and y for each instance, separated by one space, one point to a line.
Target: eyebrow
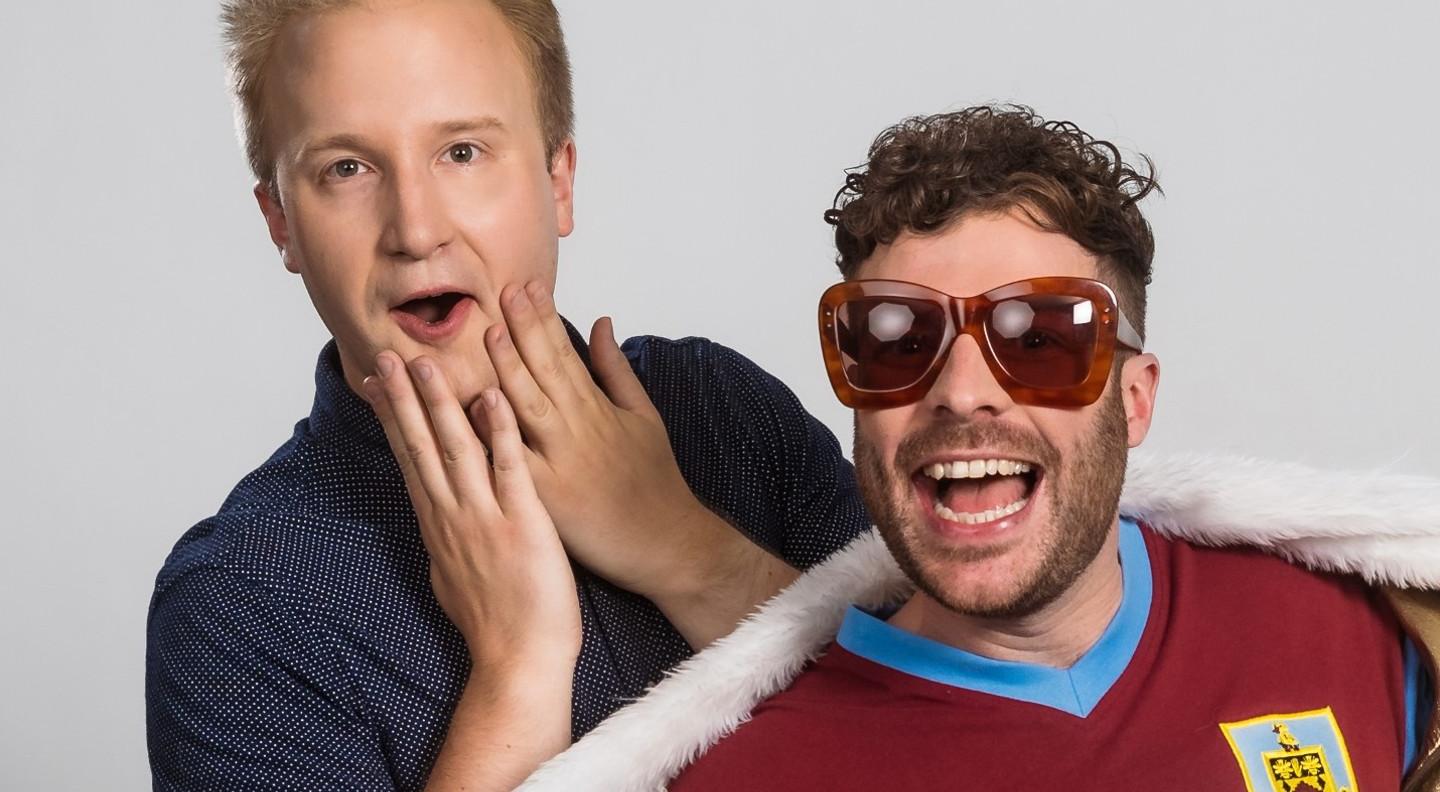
479 124
350 140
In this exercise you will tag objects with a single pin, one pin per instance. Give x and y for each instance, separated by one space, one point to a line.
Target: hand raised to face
596 455
497 565
599 453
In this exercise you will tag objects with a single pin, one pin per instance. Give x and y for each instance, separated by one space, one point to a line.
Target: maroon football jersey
1248 673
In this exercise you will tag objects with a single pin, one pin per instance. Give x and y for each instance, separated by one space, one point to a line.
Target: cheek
337 261
512 230
1090 437
1064 430
333 235
882 431
337 273
505 194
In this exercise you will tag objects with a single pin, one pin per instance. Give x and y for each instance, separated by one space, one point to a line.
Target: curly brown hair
927 171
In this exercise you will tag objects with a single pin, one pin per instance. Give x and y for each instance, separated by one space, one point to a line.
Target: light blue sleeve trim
1075 690
1419 702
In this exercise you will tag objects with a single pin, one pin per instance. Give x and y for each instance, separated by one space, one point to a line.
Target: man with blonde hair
406 593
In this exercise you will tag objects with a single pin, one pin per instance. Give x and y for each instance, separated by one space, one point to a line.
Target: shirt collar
1075 690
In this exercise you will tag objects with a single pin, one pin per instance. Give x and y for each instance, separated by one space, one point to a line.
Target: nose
966 388
417 222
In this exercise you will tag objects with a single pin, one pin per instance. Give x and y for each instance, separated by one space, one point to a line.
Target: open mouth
434 309
977 491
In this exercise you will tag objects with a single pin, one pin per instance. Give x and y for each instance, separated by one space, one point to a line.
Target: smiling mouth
977 491
434 309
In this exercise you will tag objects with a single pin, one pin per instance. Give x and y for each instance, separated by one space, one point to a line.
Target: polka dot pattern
294 641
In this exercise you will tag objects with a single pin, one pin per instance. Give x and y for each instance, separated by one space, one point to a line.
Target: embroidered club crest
1296 752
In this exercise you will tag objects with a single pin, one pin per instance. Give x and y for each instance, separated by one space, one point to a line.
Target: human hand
497 565
604 468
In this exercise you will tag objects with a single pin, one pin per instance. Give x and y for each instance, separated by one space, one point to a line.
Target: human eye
347 168
463 153
1038 340
912 343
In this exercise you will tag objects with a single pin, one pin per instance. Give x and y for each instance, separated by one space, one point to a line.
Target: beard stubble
1083 492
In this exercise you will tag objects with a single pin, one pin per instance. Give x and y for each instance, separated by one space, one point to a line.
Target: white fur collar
1383 527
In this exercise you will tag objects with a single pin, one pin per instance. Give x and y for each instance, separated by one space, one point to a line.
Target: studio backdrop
155 350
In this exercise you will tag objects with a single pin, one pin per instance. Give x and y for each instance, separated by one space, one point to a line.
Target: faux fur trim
1385 528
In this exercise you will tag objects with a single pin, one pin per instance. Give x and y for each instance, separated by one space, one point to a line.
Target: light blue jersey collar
1075 690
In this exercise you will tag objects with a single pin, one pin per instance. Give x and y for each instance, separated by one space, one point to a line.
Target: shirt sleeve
750 450
242 695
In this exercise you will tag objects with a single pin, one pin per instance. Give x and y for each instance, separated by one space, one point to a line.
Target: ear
562 185
1139 378
267 196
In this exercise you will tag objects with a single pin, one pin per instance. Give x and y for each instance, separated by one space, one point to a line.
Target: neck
1056 635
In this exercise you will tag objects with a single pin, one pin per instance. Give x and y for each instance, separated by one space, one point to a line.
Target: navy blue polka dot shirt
294 641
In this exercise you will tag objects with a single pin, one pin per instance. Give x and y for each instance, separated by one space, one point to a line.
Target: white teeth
975 468
977 518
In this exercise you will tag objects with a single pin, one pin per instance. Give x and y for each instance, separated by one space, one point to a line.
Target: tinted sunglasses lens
888 343
1045 340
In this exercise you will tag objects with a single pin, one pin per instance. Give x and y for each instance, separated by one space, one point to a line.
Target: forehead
382 66
977 253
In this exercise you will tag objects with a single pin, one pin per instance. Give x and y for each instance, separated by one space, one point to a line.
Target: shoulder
1229 559
749 449
301 558
298 526
256 592
699 385
1250 578
247 559
308 498
687 363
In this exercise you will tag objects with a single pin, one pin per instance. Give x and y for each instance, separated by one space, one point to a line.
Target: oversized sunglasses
1048 341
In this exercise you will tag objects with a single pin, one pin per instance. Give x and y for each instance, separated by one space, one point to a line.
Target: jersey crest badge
1294 752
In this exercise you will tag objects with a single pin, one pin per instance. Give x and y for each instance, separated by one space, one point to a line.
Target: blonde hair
252 26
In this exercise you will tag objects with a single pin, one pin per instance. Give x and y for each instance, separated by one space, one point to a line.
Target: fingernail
385 365
492 398
367 389
423 371
535 289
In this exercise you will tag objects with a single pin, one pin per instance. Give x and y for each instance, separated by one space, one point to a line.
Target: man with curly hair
1022 625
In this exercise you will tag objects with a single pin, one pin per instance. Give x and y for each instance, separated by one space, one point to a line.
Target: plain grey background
155 350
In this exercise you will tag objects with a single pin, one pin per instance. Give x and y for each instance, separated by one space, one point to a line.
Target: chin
467 378
980 587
